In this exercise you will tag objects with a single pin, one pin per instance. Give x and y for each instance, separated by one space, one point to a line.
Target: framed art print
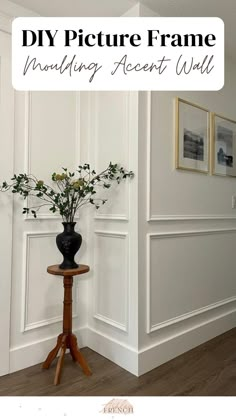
192 137
223 146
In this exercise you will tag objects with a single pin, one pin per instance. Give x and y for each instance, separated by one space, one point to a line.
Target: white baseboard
123 355
177 339
162 352
117 352
31 354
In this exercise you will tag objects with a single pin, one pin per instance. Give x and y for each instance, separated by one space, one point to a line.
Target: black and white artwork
224 138
192 137
224 145
193 145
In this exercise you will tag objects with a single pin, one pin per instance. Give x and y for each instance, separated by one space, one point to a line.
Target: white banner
117 408
118 53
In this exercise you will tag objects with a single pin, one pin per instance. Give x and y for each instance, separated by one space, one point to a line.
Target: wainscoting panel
200 276
111 270
110 138
39 252
192 202
51 134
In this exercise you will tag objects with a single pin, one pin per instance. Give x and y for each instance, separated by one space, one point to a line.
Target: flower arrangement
70 190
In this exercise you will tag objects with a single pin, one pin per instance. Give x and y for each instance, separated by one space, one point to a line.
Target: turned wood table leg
67 308
67 326
60 361
67 339
53 353
77 355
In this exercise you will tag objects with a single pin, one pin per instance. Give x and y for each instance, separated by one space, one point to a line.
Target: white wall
46 138
113 314
6 207
55 129
162 249
187 236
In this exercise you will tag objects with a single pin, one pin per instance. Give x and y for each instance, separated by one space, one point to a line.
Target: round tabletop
54 269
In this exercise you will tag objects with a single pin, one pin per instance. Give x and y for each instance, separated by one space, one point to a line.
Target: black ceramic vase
68 243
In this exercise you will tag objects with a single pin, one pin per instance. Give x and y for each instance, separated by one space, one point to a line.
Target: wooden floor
209 369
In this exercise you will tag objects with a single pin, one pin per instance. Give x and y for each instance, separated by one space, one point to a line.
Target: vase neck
69 226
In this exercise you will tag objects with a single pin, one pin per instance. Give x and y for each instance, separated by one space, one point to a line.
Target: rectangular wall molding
172 217
152 327
95 145
28 140
126 296
25 325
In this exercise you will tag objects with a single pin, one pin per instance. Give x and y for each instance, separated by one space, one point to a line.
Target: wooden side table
66 340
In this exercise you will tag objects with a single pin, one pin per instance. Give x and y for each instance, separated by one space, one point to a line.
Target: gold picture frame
223 145
192 137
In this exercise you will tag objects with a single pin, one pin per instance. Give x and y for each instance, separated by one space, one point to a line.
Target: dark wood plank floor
208 370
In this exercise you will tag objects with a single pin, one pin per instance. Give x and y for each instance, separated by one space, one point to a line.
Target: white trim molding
112 322
13 10
109 321
44 323
94 137
189 217
25 326
120 353
149 145
27 143
8 12
115 217
5 22
152 218
185 339
207 309
192 314
29 354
